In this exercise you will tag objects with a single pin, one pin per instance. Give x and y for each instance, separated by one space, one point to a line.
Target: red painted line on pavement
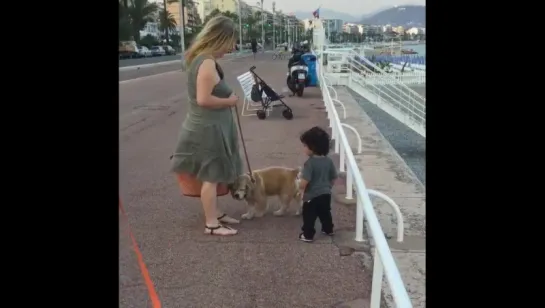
155 302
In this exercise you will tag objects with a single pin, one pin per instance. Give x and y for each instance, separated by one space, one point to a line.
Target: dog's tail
298 176
297 171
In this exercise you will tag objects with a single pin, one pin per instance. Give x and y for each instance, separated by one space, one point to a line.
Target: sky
353 7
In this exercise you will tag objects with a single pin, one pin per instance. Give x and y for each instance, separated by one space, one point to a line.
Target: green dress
207 144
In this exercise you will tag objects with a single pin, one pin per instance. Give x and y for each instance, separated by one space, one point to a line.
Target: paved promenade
264 265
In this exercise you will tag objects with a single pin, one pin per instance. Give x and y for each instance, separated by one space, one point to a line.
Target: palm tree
231 15
249 23
281 22
140 12
257 24
124 23
214 13
167 22
164 20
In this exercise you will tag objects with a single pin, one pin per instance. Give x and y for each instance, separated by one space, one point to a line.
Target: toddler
318 176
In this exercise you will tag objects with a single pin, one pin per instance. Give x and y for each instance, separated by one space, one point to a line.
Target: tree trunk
166 21
136 35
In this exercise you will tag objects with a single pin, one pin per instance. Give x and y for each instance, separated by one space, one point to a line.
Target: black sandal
219 227
227 222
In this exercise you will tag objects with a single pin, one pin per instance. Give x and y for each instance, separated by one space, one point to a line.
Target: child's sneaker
329 234
304 239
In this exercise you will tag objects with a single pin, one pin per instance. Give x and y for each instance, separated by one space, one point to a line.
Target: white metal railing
383 89
410 78
420 68
352 59
380 70
383 260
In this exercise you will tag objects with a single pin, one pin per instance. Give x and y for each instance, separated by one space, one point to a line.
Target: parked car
169 50
128 49
143 51
157 51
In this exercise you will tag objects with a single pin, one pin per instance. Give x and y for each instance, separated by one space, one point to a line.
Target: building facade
399 30
351 28
333 25
191 16
373 29
205 7
415 31
151 28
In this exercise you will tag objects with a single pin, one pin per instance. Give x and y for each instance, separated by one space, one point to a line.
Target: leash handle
244 144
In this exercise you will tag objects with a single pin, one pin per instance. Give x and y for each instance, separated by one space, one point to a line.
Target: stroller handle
252 68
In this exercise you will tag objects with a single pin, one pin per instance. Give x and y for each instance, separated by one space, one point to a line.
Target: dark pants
318 207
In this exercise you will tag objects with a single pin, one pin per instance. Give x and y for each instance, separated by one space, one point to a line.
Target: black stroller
261 87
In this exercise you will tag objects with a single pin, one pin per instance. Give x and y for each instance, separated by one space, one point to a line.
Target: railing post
376 285
349 184
336 136
359 219
341 160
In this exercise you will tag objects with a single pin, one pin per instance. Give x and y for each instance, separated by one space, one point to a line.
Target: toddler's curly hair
317 140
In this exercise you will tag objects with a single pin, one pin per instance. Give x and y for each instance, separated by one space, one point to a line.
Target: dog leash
244 145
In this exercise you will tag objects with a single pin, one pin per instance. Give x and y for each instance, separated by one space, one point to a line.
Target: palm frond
184 2
140 13
166 20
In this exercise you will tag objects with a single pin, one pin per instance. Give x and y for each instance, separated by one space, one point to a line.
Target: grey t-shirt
320 172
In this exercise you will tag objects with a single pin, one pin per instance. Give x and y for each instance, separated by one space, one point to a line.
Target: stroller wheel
287 114
261 114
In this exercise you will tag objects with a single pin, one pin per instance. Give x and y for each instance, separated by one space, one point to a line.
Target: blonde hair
218 35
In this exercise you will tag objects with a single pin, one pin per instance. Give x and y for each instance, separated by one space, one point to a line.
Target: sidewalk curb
148 65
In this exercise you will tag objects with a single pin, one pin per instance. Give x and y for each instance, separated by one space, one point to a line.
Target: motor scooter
297 76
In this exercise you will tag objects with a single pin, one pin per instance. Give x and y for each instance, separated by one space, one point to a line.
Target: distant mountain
405 15
383 8
329 14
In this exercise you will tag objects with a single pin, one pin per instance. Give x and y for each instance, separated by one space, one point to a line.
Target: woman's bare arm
207 78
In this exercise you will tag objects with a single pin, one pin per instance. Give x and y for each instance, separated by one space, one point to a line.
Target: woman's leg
208 199
224 218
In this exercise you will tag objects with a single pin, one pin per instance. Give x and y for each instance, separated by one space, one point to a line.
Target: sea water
420 48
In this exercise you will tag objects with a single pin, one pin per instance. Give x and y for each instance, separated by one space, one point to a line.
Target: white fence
383 260
384 90
411 78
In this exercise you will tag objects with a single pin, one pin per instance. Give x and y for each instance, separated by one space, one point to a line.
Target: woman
207 145
254 46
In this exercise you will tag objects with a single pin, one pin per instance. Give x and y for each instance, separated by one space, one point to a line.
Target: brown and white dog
273 181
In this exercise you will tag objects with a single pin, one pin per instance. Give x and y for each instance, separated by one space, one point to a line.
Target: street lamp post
240 25
182 31
281 28
288 31
262 27
274 19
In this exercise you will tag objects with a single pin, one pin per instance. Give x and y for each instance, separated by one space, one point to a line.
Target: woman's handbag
190 186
